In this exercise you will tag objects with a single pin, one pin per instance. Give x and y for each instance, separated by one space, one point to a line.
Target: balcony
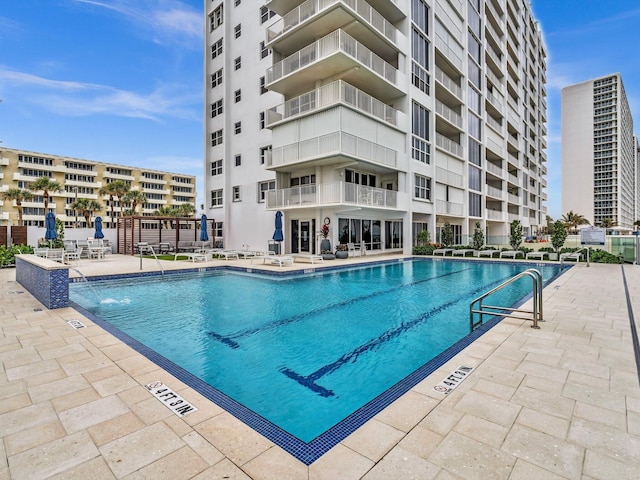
496 170
450 178
511 198
448 145
118 176
494 192
338 92
497 215
451 116
302 25
336 54
325 148
449 208
327 194
143 179
448 83
4 160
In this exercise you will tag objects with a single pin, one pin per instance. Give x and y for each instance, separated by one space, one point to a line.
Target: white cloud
166 21
70 98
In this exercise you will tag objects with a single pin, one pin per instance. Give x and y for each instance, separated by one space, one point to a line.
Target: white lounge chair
577 256
510 253
274 259
462 252
442 251
538 255
308 257
487 253
56 254
193 256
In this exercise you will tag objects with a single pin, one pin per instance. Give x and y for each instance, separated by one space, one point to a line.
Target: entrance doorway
303 236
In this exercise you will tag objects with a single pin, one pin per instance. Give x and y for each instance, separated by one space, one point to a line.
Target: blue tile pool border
309 452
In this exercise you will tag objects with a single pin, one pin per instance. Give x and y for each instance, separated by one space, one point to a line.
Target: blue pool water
304 352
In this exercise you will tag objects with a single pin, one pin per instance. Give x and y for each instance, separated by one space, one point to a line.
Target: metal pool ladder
535 315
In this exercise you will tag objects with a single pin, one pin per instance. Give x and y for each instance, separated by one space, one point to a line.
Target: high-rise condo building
599 153
382 118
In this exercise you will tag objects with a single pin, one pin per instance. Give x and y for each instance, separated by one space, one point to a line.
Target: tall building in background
599 152
81 178
381 118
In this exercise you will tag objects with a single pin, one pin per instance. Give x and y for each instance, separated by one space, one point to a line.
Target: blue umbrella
204 237
277 235
50 223
98 233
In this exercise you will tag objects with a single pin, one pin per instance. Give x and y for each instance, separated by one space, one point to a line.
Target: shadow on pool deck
559 402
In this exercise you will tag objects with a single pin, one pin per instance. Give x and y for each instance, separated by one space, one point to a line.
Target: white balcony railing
448 82
450 178
495 169
495 214
335 42
448 208
448 145
332 193
449 114
330 94
310 8
494 192
335 143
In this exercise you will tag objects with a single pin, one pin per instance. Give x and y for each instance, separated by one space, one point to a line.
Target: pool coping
305 452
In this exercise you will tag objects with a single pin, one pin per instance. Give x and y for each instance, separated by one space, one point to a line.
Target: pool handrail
535 315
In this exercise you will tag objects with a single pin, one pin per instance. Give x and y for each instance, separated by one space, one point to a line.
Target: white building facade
599 153
381 118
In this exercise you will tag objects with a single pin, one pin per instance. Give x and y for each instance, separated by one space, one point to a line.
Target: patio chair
56 254
353 251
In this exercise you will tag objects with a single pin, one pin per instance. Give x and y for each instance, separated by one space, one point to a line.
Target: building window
264 153
216 49
238 30
216 108
420 15
422 187
263 88
216 138
420 78
216 198
216 18
236 193
237 63
264 51
420 148
238 159
237 95
265 14
216 168
237 128
263 188
262 120
216 79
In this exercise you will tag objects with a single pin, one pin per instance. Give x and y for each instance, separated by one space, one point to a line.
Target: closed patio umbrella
278 236
50 224
204 236
98 233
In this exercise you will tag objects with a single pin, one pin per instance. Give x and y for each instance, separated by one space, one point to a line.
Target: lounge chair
538 255
308 257
56 254
462 252
577 256
442 251
510 253
193 256
227 254
274 259
487 253
73 254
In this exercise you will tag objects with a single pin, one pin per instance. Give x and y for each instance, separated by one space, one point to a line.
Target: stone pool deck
562 402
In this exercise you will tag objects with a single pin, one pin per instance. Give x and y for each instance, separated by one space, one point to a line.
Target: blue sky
121 80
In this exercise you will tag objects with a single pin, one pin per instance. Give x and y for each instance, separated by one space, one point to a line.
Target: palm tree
46 184
573 220
135 197
165 212
117 188
19 195
636 224
88 207
185 210
608 223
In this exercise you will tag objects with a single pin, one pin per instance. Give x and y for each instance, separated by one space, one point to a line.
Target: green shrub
8 254
600 256
423 250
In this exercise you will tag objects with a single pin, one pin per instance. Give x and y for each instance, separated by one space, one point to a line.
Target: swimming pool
305 353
